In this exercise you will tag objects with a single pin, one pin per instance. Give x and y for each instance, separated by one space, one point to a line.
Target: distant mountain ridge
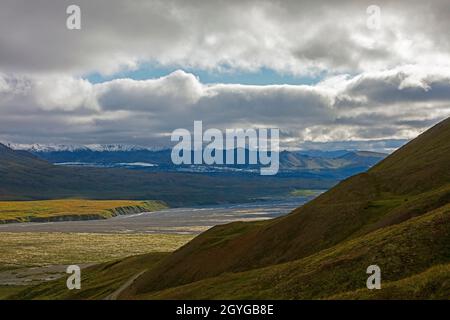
154 159
116 147
26 176
36 147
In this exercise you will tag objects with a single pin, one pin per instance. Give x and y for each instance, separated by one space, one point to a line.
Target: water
178 220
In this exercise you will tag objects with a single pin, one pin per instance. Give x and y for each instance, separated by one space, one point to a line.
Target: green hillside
401 251
431 284
412 182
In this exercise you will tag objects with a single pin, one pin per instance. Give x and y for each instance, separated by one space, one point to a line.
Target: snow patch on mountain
75 148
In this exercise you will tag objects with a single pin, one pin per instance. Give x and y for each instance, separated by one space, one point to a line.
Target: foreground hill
408 250
400 202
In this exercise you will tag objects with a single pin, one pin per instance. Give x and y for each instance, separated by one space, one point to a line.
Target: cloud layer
393 104
389 83
291 36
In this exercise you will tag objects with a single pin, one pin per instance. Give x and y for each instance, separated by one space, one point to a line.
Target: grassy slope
6 291
411 182
305 192
433 283
73 209
401 251
98 281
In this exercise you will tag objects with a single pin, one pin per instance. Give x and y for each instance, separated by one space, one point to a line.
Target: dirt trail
116 294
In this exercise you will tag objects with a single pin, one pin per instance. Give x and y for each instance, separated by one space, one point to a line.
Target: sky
325 73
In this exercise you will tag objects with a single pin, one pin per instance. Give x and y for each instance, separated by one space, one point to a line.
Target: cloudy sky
137 70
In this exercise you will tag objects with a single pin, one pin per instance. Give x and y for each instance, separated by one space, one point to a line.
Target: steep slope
402 251
431 284
413 181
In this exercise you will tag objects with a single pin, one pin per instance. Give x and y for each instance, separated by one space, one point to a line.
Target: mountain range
44 148
26 176
343 162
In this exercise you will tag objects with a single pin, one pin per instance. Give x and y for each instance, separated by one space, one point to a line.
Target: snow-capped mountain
341 163
116 147
45 148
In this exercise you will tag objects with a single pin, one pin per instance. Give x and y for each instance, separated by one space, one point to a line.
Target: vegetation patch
6 291
305 192
72 209
100 281
45 248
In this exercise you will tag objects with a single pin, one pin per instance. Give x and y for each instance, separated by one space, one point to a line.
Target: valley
33 253
394 216
192 220
306 244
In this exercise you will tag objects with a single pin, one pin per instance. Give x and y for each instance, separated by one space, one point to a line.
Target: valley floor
28 259
176 220
35 253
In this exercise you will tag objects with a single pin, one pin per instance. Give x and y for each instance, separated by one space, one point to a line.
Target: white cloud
63 92
163 94
393 104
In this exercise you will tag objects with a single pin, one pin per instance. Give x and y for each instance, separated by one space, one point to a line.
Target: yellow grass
45 248
23 211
